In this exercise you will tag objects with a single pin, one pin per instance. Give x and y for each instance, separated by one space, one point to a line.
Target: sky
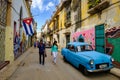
42 11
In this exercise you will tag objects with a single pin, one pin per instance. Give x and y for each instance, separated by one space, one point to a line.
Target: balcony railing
97 5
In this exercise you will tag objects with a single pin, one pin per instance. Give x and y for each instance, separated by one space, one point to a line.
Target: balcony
97 7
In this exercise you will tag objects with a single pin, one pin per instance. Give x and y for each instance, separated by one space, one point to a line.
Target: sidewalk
115 71
6 72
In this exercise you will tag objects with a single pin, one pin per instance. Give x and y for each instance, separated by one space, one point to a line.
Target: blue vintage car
82 56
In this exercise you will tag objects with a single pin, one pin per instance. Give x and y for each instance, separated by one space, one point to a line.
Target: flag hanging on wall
28 26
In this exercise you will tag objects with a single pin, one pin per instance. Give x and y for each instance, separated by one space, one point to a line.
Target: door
100 38
67 38
71 53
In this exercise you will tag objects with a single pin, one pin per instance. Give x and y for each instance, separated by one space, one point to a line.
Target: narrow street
30 69
61 23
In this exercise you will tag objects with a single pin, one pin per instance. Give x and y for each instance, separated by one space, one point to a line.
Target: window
84 48
68 17
70 47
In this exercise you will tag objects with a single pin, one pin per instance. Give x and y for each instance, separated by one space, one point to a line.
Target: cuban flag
28 26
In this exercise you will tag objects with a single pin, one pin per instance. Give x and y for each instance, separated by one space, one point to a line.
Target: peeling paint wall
62 38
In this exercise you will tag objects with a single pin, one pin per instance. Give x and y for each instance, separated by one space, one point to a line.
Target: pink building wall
88 35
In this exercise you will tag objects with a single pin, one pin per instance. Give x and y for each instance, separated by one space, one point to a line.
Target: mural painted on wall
16 41
23 43
113 42
88 36
16 45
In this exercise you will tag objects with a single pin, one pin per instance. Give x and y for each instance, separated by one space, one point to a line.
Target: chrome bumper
99 70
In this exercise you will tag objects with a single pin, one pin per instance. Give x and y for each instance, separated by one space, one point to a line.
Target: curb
7 71
115 71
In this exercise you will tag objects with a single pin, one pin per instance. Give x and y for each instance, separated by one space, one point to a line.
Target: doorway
67 38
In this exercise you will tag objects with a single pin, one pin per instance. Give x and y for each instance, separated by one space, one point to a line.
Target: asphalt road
30 69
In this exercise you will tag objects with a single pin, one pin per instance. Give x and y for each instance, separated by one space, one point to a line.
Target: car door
68 52
72 55
75 58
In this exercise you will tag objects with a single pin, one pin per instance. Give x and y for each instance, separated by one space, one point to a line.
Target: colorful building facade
97 22
13 40
105 24
4 30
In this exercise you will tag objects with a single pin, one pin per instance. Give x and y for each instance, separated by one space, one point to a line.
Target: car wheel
107 71
83 69
85 72
64 59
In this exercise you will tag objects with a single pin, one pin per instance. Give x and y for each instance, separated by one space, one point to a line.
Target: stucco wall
9 44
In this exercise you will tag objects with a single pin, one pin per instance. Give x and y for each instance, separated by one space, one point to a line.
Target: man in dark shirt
41 47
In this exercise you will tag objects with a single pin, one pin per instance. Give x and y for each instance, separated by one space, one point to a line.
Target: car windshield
84 48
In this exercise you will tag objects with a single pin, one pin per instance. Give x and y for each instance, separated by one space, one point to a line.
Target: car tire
108 71
85 72
83 69
64 59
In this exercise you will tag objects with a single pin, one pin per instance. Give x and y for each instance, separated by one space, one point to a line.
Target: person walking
41 47
54 51
35 44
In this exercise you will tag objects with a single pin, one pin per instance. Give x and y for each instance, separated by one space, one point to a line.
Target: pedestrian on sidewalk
35 44
54 51
41 47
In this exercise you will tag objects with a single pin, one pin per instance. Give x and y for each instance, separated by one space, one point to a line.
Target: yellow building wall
84 9
59 22
61 19
9 55
84 13
96 19
117 9
51 25
113 1
88 20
